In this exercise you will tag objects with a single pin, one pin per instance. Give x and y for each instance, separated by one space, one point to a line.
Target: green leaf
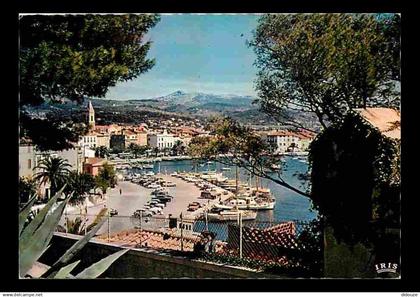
39 240
101 266
24 212
65 271
71 252
25 237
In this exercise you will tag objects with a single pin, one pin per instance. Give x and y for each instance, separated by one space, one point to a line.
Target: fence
285 247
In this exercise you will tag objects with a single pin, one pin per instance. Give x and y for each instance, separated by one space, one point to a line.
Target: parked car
147 214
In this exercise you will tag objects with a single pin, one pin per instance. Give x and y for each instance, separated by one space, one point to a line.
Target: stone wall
142 263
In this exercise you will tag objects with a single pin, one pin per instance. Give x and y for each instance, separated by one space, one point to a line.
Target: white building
282 141
161 140
287 141
89 140
29 158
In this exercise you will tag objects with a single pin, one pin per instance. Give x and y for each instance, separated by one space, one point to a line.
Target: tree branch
261 173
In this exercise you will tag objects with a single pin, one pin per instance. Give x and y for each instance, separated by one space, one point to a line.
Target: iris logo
386 267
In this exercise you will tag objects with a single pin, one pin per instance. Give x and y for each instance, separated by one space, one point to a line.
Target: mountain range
196 100
239 107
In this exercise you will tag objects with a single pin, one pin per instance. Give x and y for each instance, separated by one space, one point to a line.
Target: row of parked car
151 181
160 197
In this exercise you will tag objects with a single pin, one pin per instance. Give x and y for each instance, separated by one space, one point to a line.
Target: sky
196 53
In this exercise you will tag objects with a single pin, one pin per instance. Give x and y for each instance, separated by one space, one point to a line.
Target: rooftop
152 239
96 161
386 120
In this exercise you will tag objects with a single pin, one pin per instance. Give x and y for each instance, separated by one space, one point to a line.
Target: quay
134 196
184 194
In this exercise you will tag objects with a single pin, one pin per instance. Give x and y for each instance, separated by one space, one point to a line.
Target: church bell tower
91 116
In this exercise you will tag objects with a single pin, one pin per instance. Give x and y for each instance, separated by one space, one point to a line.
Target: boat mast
237 188
256 182
237 174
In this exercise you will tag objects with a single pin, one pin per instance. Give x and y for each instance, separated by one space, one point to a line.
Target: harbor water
289 204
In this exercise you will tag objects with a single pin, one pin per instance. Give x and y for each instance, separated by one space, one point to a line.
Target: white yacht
252 202
231 215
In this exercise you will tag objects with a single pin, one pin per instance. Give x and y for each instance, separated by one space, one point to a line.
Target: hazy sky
196 53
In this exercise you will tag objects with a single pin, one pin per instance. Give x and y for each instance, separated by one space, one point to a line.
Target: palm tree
106 178
155 151
178 148
79 226
137 149
101 152
54 170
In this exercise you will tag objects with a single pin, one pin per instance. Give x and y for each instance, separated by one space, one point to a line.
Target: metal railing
281 247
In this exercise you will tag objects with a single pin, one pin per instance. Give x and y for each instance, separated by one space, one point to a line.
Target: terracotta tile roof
153 240
281 133
288 227
281 235
150 239
100 128
95 161
92 133
386 120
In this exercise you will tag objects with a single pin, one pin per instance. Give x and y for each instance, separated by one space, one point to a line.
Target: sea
289 204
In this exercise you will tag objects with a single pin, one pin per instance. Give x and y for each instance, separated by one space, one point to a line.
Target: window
29 163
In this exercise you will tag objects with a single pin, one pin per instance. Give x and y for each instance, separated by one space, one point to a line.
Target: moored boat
232 215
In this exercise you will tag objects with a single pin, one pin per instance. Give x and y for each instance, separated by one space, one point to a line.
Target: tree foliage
106 178
26 188
101 152
178 148
355 180
136 149
79 184
327 63
73 56
51 134
231 143
77 56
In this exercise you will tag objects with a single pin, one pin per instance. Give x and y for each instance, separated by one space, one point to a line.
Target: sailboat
231 215
255 199
220 213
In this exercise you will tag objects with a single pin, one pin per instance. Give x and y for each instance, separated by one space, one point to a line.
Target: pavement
184 193
134 197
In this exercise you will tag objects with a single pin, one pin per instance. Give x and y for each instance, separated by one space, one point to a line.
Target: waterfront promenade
184 194
134 197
